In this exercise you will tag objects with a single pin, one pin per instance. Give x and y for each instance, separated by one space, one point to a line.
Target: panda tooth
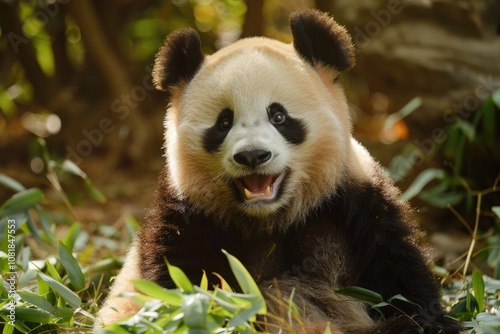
268 191
248 194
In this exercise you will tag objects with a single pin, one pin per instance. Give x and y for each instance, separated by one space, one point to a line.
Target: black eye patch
293 130
215 135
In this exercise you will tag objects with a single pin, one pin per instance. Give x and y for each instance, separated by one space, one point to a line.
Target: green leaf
488 112
245 280
52 271
38 301
421 181
496 98
407 110
95 193
195 307
21 201
45 292
220 298
46 222
478 287
71 236
32 227
467 129
152 289
496 211
245 315
204 281
70 167
180 279
369 296
72 267
8 329
442 199
402 298
104 265
34 315
379 305
10 183
69 296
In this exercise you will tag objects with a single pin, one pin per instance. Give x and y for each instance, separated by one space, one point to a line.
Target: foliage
372 298
475 302
474 298
195 309
461 143
62 291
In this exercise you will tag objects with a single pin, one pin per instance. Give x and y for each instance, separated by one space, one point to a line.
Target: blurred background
425 98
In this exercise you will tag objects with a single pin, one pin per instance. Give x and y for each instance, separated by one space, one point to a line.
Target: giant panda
259 152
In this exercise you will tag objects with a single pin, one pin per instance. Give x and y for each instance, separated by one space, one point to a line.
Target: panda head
260 129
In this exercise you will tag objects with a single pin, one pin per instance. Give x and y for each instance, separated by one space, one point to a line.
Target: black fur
318 38
293 130
178 59
362 231
214 136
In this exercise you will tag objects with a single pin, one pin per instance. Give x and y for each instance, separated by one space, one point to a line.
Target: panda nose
252 158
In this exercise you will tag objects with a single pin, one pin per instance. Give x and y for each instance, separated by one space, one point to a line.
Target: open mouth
256 187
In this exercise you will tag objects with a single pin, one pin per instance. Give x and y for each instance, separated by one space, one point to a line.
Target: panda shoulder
363 169
361 165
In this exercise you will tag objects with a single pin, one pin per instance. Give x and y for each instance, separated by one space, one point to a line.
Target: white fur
115 307
247 77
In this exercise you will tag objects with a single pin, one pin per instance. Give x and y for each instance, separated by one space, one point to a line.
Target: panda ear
178 59
318 38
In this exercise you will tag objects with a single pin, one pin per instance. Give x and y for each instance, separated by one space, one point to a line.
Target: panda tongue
257 183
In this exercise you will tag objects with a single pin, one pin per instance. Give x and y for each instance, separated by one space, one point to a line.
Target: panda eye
278 118
225 124
277 114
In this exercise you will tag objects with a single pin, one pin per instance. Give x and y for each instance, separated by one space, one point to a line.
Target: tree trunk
116 76
20 44
253 25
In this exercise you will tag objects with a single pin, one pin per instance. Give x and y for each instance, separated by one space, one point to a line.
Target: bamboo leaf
95 193
421 181
496 211
467 129
8 329
22 201
70 167
34 315
496 98
71 236
478 287
38 301
69 296
154 290
10 183
72 267
245 280
369 296
53 271
204 281
195 307
180 279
